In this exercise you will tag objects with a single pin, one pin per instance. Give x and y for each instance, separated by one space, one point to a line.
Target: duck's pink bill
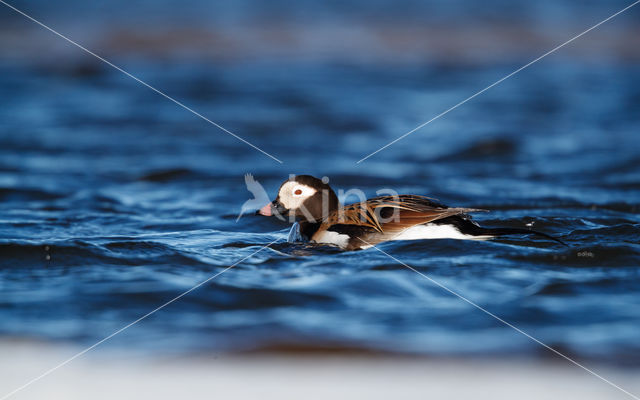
266 210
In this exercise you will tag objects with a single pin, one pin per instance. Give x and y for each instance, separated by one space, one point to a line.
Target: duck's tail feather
518 231
467 226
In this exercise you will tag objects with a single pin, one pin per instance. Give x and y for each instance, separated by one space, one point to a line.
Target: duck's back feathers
381 218
389 214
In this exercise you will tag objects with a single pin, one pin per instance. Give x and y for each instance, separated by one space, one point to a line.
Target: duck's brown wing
389 215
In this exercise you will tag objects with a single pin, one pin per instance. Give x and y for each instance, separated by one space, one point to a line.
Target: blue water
115 200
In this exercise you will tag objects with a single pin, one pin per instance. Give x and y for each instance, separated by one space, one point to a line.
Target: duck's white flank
433 231
331 237
418 232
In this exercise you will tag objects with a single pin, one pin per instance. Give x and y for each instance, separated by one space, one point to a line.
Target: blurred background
114 200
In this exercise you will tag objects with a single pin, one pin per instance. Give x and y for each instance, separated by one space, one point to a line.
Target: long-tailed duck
322 219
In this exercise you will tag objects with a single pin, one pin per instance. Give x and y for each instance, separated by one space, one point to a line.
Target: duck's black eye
298 192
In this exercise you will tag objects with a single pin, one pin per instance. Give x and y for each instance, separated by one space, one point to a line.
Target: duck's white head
303 197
